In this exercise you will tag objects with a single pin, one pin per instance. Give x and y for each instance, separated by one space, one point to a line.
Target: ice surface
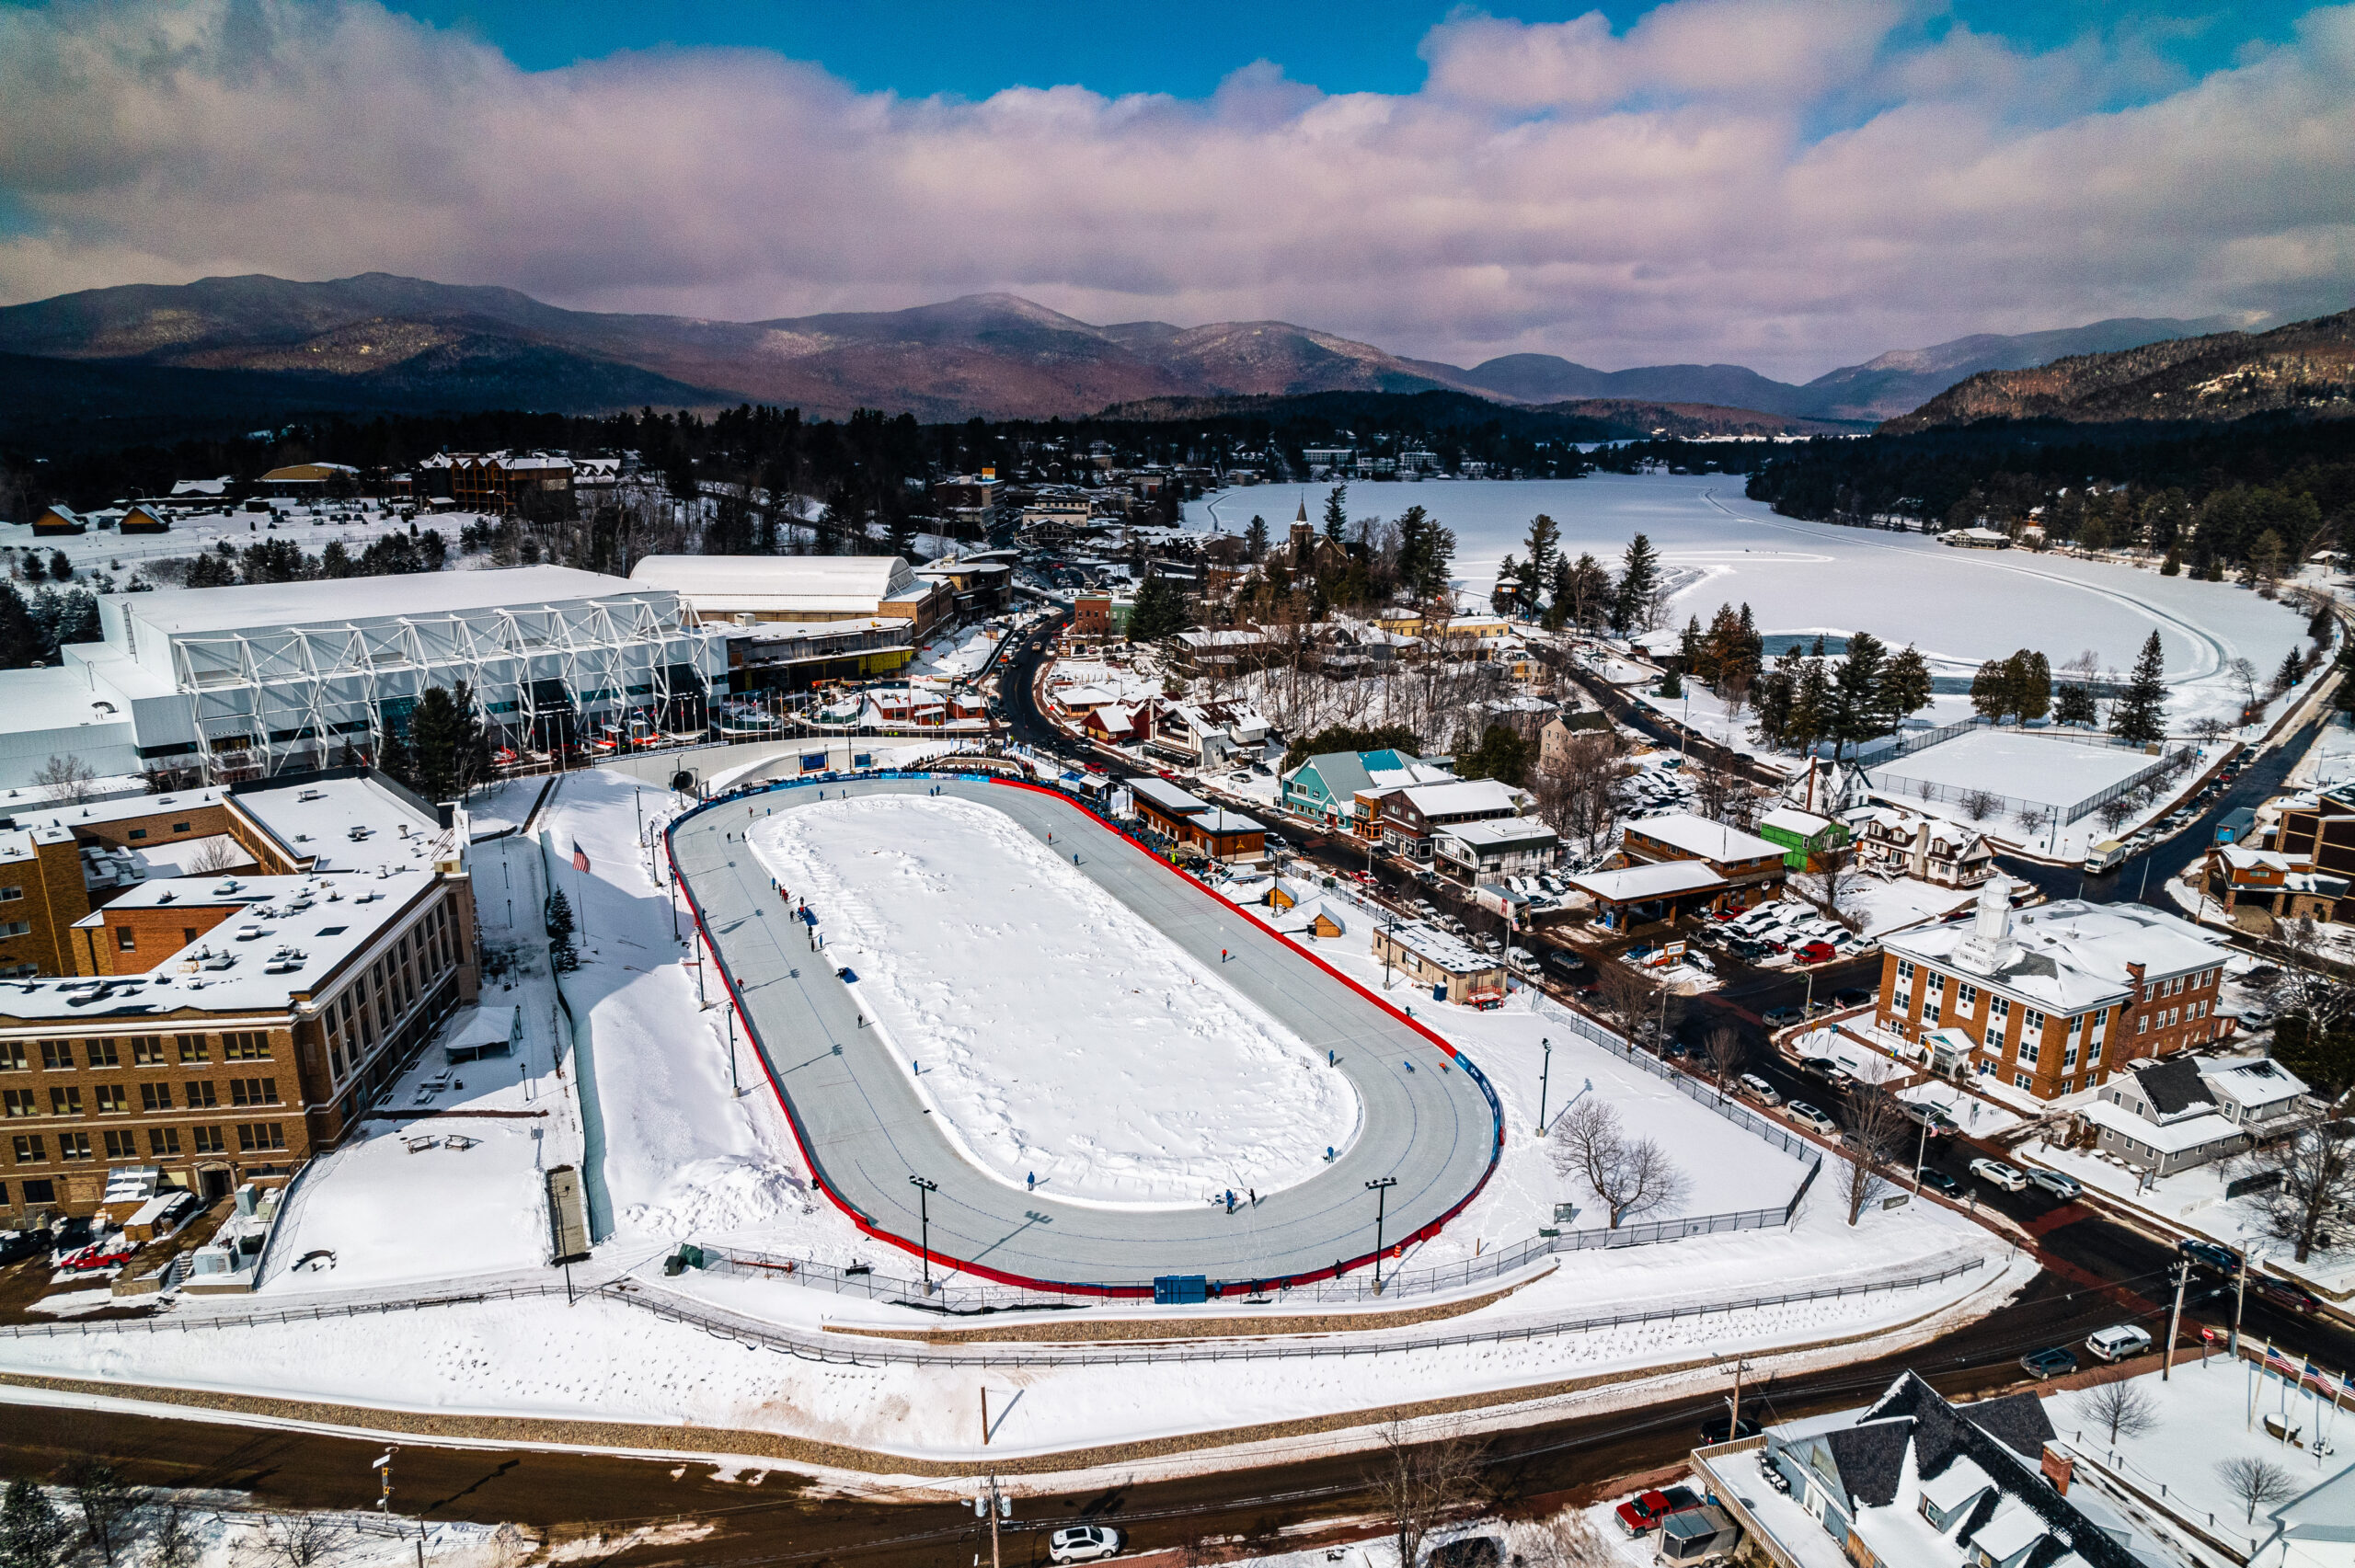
1058 1032
2015 762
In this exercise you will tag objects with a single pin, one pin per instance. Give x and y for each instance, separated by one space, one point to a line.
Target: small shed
485 1032
57 522
141 519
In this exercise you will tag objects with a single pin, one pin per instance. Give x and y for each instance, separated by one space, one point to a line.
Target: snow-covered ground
1885 904
1057 1032
313 528
956 653
2050 769
1960 607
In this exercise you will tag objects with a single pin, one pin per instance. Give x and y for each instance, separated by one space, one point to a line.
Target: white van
2117 1342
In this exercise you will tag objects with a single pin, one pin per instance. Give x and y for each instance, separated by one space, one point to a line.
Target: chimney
2058 1467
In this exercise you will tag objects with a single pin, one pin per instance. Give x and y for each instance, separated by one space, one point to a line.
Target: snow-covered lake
1960 607
1057 1032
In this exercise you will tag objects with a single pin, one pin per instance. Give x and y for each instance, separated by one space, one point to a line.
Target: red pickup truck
1641 1514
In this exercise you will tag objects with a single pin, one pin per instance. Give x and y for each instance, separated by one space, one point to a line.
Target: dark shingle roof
2016 1421
2172 1085
1872 1458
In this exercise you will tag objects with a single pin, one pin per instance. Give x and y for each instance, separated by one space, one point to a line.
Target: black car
1723 1429
1473 1551
17 1245
2281 1293
2208 1254
1854 996
2056 1362
1565 965
1939 1181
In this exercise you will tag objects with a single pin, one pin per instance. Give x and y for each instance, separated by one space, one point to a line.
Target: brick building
2057 999
238 1025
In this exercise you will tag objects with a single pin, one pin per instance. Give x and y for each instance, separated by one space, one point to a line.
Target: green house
1804 837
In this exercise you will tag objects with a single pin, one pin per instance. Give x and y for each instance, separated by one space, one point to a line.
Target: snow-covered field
1960 607
1058 1033
2046 768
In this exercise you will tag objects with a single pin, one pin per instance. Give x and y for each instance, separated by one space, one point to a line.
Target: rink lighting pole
1380 1189
925 1190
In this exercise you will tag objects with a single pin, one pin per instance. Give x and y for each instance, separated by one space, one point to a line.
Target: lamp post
1380 1189
925 1190
1543 1074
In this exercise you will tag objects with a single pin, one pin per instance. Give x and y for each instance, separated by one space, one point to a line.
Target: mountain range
380 341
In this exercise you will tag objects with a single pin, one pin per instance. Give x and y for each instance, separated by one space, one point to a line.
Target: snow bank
1057 1031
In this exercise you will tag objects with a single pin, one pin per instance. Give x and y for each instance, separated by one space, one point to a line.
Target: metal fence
2174 760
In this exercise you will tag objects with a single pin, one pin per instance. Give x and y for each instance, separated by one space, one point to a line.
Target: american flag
2278 1362
579 857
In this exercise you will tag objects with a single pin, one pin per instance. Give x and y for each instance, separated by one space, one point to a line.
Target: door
213 1182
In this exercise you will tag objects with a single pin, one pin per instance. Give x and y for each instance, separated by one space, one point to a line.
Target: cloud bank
1791 184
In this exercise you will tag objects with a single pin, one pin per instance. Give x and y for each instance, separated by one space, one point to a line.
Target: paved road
1424 1119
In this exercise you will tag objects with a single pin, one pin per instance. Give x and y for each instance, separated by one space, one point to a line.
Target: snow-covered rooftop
817 585
1464 798
2070 955
1699 836
1435 946
2168 1137
1498 832
1657 880
182 611
348 824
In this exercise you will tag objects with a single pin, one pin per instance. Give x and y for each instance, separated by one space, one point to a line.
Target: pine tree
1255 538
1855 693
561 956
1160 613
2139 717
1671 685
1336 513
1561 593
1544 546
2073 703
1812 707
32 1533
1905 683
2343 696
1639 581
21 638
2291 668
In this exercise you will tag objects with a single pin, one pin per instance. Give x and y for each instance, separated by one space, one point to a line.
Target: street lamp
925 1190
1380 1189
1543 1073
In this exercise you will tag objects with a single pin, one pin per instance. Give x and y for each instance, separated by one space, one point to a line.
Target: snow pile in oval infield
1058 1030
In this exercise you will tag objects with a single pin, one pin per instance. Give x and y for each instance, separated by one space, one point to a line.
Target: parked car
1472 1552
1642 1513
1939 1181
1852 996
1725 1429
1824 1067
1782 1017
2117 1342
2068 1190
2281 1293
2208 1254
1758 1088
2011 1178
2056 1362
1082 1544
1817 952
1928 1117
1810 1117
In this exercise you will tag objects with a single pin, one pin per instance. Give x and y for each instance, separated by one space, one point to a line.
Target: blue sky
920 47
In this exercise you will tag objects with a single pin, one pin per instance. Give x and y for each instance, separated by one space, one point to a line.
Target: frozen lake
1960 607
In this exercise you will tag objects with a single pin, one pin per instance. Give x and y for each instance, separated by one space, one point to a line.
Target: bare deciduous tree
2121 1409
174 1543
221 854
1418 1485
2244 674
303 1541
1876 1127
1726 1049
1569 1539
1628 1176
1626 998
2313 1174
2256 1483
67 778
1980 804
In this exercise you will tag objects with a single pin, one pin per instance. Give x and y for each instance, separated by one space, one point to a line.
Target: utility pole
1733 1427
2174 1318
994 1505
1380 1189
2240 1294
925 1190
1921 1154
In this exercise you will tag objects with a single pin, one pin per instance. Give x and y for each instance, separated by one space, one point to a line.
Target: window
2031 1021
138 833
110 1100
10 895
2142 1022
125 939
335 1055
1904 970
102 1053
252 1135
2069 1056
30 1150
1966 997
20 1103
253 1090
2174 987
201 1095
66 1102
123 1145
2101 1022
57 1056
247 1046
162 1140
1999 1011
2031 1046
147 1050
193 1047
180 827
1930 1011
207 1140
2022 1080
11 1057
40 1192
155 1096
73 1146
15 928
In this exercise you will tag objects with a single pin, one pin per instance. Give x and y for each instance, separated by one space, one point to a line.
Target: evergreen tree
561 956
1772 700
2073 703
448 749
1502 754
21 638
1426 554
1991 691
2032 682
1160 613
1696 658
1639 581
2342 696
1905 683
1543 545
1671 685
1255 538
1336 513
2139 717
1855 693
1561 592
2291 668
394 761
1812 707
32 1533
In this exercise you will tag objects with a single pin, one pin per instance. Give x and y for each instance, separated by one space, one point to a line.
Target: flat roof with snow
2015 763
178 611
1499 832
346 824
1638 884
1699 836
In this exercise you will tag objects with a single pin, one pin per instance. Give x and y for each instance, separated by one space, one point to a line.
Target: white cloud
1662 193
